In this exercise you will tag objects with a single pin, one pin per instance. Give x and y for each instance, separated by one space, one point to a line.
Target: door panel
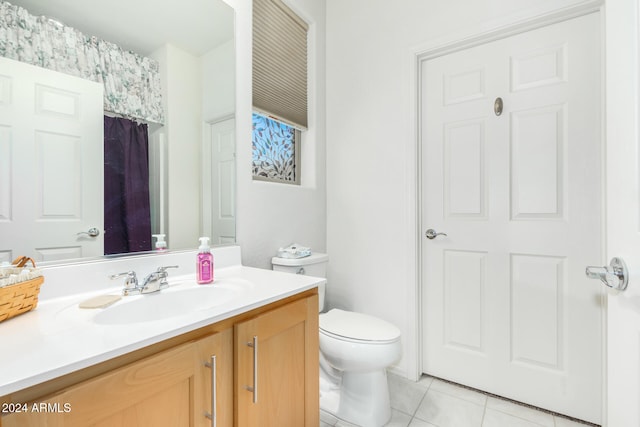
507 308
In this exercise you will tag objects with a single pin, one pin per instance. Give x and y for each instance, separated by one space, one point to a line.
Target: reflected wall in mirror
52 189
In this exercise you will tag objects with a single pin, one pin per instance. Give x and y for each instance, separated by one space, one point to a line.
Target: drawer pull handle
212 415
254 389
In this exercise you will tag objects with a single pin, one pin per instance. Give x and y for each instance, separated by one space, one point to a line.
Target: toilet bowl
355 351
361 347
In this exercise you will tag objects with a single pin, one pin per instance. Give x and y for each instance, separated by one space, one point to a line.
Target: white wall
181 84
195 89
274 215
218 82
371 143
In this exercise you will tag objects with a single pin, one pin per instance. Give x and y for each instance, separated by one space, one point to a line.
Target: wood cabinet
214 358
276 364
168 389
172 384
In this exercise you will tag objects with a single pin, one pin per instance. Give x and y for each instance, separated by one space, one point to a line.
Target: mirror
192 155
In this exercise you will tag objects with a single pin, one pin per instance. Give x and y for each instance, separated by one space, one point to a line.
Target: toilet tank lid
314 258
358 326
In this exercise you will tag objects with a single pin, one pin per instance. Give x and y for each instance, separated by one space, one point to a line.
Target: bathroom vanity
253 358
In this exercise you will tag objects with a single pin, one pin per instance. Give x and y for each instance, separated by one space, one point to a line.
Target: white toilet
355 351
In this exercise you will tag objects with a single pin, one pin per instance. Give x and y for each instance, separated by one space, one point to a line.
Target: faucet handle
162 275
163 269
130 283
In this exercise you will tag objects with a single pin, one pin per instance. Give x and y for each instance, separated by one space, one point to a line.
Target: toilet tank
312 265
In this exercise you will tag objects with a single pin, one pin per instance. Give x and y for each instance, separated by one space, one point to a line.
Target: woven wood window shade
279 63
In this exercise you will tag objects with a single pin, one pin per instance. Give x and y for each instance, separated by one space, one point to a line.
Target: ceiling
142 26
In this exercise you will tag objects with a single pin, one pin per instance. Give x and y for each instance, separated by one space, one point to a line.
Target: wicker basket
19 298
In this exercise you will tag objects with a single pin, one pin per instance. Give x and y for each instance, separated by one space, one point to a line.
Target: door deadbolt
498 105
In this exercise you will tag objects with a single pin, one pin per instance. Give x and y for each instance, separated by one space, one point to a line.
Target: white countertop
48 342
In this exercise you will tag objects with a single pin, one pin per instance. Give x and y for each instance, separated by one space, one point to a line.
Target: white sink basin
181 298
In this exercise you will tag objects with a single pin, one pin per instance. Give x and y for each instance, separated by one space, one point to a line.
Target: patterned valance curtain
131 82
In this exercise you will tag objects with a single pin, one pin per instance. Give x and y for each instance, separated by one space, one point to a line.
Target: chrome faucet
152 283
156 280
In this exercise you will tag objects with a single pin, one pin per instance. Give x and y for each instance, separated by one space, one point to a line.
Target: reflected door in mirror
51 126
219 179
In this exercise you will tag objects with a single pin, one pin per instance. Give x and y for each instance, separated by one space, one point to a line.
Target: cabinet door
276 367
156 391
171 389
214 361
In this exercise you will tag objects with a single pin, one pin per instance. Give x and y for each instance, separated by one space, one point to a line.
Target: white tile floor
434 403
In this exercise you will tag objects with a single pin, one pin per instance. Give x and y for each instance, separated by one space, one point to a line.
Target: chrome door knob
615 275
92 232
432 234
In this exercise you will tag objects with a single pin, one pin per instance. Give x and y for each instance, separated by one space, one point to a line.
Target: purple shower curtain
127 213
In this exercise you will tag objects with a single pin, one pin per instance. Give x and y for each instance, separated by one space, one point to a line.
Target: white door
220 182
507 307
623 211
51 174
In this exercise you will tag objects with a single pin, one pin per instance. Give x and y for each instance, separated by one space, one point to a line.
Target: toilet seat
357 327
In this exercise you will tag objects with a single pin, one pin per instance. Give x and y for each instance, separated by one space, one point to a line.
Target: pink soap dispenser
204 264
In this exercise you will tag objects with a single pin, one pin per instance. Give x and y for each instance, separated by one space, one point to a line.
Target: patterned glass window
276 151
